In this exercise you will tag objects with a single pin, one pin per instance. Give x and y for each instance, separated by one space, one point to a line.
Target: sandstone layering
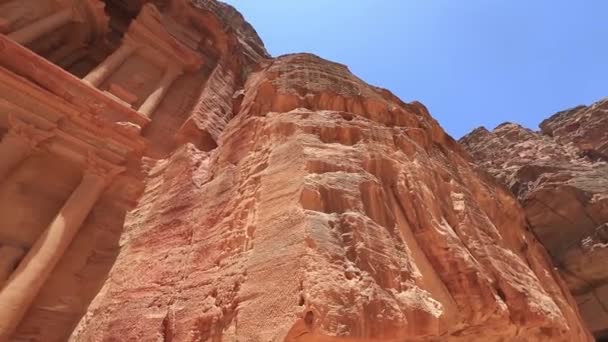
560 175
165 179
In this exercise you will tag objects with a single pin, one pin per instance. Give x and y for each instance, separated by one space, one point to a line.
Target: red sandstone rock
285 199
561 179
585 127
329 196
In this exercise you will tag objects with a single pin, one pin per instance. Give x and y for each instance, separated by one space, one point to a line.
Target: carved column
17 144
170 75
9 257
110 64
33 271
41 27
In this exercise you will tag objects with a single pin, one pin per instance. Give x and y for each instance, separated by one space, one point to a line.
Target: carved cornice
148 31
19 93
20 60
25 134
101 169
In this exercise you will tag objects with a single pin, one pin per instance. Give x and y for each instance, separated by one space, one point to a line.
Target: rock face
584 127
284 199
327 196
560 176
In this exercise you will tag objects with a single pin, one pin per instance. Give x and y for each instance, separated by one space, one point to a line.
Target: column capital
99 169
172 72
25 134
96 77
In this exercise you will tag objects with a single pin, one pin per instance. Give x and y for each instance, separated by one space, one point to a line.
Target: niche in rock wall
51 42
81 66
173 122
175 108
66 48
134 81
602 336
121 13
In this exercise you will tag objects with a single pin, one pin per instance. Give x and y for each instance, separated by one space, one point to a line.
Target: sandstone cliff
329 196
284 199
586 127
560 175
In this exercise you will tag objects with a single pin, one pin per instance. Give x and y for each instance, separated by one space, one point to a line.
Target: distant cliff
560 175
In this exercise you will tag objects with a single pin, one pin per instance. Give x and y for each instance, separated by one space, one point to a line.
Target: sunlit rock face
277 199
560 175
586 127
327 197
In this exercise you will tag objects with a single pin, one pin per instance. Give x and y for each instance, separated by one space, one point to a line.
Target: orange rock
285 198
561 178
367 215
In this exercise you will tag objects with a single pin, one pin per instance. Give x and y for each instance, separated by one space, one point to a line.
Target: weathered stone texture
284 199
326 195
560 175
584 126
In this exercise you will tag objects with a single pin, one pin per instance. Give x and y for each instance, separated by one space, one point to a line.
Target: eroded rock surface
584 126
329 196
282 199
560 175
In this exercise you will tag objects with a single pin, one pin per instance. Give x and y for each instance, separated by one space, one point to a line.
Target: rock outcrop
560 176
584 127
329 197
284 199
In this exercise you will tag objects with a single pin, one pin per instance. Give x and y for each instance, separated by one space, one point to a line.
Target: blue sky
471 62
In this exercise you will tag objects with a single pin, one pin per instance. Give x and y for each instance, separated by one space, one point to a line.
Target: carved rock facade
560 175
163 178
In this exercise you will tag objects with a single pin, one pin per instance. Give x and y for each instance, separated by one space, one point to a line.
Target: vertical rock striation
560 175
329 197
284 199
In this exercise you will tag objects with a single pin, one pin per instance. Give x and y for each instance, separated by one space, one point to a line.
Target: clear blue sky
471 62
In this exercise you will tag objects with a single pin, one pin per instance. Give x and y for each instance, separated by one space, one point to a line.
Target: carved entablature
99 167
27 64
149 60
33 116
22 133
148 32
